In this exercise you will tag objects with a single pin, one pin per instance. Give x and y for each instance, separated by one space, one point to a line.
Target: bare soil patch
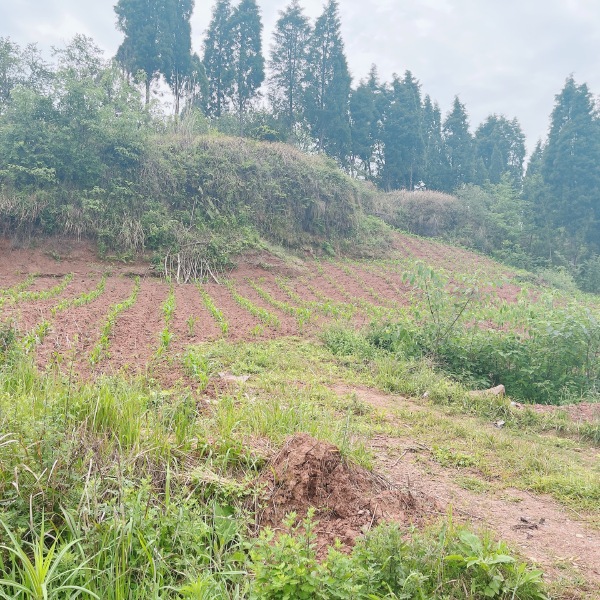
59 256
348 500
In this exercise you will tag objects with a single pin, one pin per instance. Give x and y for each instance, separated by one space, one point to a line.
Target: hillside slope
233 366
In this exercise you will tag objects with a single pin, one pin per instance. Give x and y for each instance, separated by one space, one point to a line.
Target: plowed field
50 296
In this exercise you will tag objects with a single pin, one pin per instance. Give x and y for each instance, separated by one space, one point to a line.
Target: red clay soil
240 321
268 283
399 294
192 323
76 330
136 334
351 285
58 256
348 500
28 314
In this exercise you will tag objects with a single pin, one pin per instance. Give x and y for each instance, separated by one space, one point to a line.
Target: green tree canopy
218 59
500 144
402 134
435 166
288 64
458 143
571 166
176 51
248 61
327 92
141 21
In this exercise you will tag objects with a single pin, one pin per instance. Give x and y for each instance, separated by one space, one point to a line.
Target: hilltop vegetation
80 153
81 157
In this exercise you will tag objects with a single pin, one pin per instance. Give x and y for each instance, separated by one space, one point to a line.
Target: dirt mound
347 499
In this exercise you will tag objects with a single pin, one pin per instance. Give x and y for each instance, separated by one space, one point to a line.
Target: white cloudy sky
502 56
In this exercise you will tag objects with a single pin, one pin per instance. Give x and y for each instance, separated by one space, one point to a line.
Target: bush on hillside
190 190
426 213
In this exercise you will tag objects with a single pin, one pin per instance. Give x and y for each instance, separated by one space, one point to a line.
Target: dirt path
546 533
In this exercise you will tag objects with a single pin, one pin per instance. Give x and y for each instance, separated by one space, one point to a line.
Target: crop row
168 310
82 299
266 317
100 350
20 294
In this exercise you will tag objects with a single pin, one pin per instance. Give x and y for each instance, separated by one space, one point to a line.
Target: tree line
386 132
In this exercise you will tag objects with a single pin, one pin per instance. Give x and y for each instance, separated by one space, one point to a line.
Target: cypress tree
458 143
288 64
363 127
435 166
500 144
571 166
402 135
140 51
218 59
177 46
327 92
248 63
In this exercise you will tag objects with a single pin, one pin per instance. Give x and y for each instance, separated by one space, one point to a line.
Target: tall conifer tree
458 143
571 165
402 134
435 166
141 21
248 62
218 59
176 55
500 144
328 82
288 63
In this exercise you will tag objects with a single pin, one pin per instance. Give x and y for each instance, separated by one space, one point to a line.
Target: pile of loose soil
348 500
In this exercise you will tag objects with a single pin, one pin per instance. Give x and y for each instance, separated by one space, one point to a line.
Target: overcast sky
499 56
